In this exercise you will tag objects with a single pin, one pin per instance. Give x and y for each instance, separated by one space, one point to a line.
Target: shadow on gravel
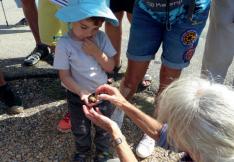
12 29
35 138
36 85
13 69
37 91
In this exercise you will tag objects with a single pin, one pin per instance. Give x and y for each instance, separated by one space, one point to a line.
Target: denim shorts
178 43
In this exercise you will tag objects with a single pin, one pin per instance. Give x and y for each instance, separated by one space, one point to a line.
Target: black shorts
121 5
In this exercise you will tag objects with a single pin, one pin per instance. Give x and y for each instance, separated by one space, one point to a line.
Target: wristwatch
116 142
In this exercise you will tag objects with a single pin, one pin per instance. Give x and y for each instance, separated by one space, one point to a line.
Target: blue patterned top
177 8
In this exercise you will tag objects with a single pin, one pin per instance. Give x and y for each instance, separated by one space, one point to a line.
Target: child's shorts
49 26
179 43
122 5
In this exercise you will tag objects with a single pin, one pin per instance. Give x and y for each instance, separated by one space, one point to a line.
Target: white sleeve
61 57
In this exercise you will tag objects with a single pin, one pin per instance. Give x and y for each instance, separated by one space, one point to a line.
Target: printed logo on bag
189 54
160 5
189 37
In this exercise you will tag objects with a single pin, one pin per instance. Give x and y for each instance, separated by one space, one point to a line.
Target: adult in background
219 49
115 34
175 24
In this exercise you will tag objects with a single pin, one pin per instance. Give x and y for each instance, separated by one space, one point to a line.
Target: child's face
85 29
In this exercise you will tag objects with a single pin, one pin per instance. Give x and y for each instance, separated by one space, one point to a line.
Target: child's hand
91 48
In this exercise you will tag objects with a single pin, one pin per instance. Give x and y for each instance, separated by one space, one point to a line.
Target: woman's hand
100 120
112 94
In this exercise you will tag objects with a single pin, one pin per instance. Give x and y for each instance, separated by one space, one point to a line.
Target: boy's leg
80 126
102 138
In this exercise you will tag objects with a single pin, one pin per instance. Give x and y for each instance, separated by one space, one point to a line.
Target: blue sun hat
77 10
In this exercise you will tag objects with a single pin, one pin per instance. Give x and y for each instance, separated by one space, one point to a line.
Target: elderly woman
199 117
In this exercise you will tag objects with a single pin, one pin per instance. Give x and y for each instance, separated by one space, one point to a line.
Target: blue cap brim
77 13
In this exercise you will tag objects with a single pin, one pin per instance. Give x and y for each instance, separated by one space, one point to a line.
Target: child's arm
68 81
91 48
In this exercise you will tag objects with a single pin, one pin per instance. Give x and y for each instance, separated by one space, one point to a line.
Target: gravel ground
32 135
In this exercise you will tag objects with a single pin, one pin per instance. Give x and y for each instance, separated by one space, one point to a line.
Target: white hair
200 117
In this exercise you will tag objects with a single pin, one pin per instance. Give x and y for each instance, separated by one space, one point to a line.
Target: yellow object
50 28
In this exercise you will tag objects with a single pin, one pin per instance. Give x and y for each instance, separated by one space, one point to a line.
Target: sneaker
39 52
22 22
101 157
64 124
49 58
145 147
13 102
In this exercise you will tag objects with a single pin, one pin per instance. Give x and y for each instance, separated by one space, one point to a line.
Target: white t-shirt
85 70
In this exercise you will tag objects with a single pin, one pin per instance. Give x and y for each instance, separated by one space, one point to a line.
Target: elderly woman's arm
148 124
119 143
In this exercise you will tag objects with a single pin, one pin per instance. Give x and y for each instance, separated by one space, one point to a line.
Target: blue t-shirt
177 8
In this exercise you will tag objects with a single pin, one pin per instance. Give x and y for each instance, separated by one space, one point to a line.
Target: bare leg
167 76
128 86
133 76
115 35
30 12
